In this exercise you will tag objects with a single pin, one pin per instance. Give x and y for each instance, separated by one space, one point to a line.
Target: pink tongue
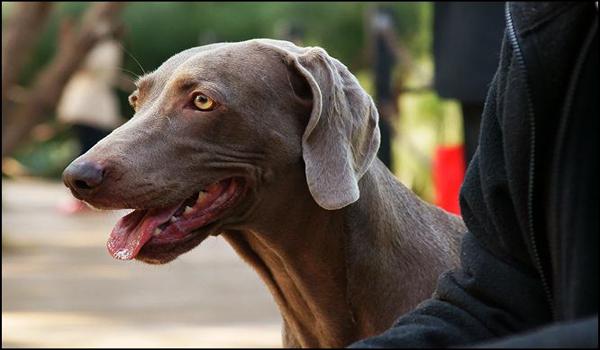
135 229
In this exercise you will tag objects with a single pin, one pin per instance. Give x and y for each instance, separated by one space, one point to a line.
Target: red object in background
448 174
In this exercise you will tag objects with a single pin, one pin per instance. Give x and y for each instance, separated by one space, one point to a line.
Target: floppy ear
342 136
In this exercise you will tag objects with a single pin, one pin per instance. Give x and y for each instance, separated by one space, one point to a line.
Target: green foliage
157 30
49 158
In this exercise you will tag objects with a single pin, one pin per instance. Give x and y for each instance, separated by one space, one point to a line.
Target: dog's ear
342 137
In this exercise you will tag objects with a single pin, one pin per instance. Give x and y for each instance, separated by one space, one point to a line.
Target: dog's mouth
168 226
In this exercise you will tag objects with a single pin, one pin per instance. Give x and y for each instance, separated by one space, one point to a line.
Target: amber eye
204 103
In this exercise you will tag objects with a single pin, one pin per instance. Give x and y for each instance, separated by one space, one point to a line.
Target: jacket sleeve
579 334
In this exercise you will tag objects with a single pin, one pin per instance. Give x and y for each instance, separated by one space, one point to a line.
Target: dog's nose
83 176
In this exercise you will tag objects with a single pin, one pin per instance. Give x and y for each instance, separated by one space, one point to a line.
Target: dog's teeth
187 210
201 196
173 219
157 231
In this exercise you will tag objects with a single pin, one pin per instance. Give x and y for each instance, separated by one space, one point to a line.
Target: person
384 60
466 45
387 51
529 261
89 104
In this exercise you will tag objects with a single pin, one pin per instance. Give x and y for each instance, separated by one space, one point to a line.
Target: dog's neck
300 255
328 270
306 277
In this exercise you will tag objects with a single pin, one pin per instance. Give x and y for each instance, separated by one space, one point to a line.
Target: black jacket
529 263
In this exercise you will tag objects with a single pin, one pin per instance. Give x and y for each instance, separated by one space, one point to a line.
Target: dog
272 146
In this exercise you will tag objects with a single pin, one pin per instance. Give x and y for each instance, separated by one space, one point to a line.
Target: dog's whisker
133 74
130 55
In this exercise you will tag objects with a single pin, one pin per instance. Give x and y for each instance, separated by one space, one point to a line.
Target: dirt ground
61 288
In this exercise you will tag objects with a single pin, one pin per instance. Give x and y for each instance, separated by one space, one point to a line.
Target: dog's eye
204 103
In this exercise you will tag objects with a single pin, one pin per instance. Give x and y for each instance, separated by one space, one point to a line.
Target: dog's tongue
135 229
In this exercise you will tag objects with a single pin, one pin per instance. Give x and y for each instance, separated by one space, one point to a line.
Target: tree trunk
99 21
22 32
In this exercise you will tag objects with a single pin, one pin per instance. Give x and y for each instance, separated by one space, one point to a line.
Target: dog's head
215 129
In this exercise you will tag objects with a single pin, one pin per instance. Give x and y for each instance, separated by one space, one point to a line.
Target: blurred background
67 69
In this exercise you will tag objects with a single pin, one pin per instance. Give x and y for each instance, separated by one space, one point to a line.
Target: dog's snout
83 176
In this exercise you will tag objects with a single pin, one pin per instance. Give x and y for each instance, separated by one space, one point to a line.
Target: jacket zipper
521 63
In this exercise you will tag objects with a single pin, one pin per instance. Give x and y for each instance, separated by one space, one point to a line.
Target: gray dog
272 146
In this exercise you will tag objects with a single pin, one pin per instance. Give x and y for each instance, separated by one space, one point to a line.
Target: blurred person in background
529 261
386 51
466 47
89 104
384 61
